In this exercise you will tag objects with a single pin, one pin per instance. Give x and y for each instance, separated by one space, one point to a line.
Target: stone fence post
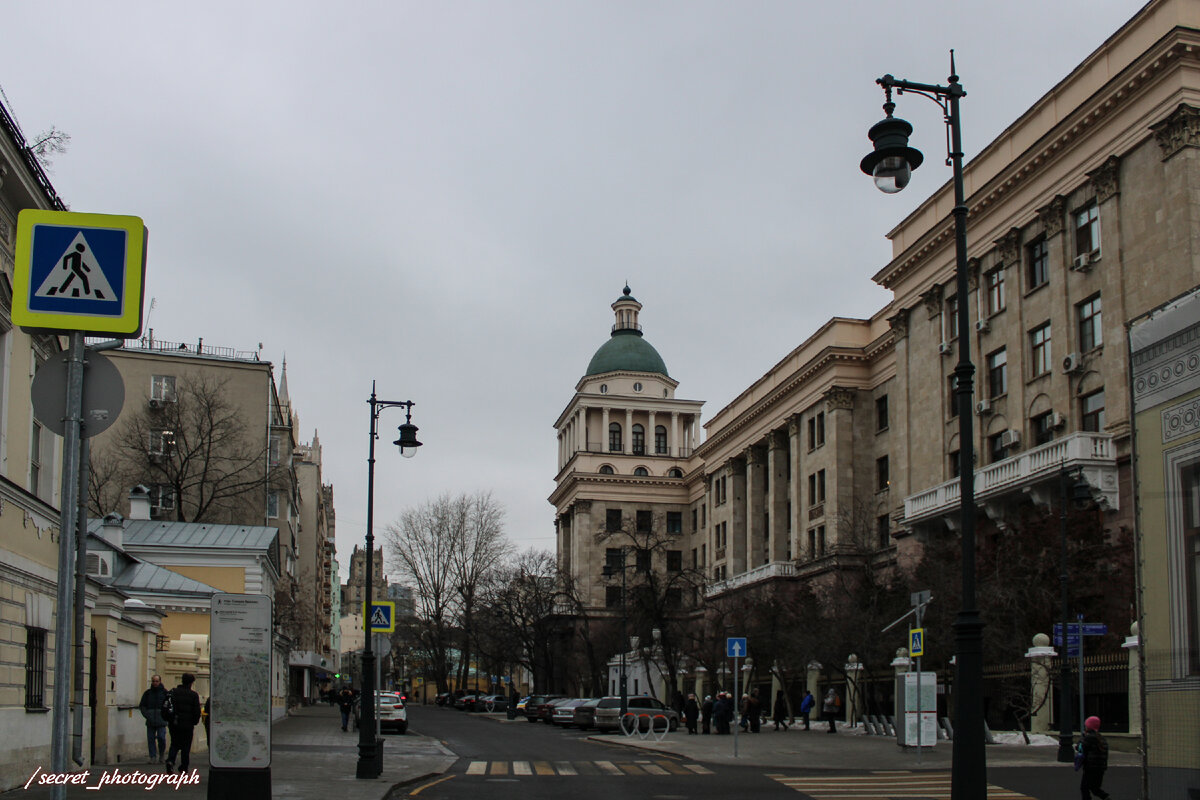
1039 683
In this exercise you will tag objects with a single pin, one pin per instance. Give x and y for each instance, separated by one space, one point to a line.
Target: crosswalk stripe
521 768
499 768
586 768
631 769
658 767
477 768
885 786
542 768
655 769
609 768
673 768
699 770
565 768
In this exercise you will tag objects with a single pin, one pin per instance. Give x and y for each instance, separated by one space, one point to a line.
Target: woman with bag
1092 758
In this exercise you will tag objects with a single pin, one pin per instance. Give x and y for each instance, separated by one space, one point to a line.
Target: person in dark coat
187 715
830 708
780 714
755 711
691 713
723 713
706 714
1094 749
156 726
345 703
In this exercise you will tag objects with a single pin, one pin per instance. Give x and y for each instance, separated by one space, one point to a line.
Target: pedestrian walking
755 709
744 712
156 726
345 703
806 707
691 713
1094 749
723 713
779 716
830 707
187 716
706 714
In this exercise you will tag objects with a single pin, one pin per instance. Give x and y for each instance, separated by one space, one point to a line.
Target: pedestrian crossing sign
79 272
380 616
916 642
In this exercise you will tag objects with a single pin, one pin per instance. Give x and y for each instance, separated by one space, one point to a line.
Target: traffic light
337 676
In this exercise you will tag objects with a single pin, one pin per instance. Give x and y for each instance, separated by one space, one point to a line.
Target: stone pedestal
1135 681
1039 683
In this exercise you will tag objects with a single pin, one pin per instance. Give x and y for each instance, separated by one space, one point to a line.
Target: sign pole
68 519
737 699
1081 728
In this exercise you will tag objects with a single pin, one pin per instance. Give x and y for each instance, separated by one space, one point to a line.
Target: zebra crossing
882 785
588 768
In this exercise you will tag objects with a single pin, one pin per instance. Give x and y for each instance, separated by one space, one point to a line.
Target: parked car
648 711
564 711
442 699
465 702
533 705
491 703
391 713
546 710
585 714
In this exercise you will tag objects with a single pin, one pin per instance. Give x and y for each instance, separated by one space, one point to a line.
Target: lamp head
892 161
407 442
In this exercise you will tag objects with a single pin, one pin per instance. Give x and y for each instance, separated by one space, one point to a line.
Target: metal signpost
916 649
75 274
735 648
1074 647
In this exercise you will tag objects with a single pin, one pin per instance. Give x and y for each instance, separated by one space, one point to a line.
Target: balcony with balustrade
773 569
1034 472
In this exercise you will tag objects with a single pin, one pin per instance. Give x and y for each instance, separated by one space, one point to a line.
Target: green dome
626 351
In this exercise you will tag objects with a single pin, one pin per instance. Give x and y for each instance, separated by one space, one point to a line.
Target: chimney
139 502
112 528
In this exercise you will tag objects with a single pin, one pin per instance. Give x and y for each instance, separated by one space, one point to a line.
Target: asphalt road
529 761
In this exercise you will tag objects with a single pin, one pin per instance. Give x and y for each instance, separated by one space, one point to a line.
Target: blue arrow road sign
735 647
1089 629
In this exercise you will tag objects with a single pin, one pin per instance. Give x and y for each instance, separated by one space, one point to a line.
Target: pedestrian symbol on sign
379 618
77 275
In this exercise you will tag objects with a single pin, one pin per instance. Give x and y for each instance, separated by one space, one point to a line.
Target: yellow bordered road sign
380 616
916 642
79 272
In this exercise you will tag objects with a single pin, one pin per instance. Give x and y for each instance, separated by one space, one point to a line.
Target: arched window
614 437
675 472
606 470
660 440
641 471
639 440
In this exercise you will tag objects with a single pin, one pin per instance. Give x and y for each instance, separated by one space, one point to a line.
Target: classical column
735 548
604 430
627 441
756 541
581 429
651 441
673 445
796 484
777 501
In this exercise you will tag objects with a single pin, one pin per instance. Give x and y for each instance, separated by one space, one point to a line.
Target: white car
391 712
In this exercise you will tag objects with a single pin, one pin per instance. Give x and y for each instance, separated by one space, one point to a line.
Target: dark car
648 712
442 699
491 703
546 710
465 702
564 711
533 705
585 714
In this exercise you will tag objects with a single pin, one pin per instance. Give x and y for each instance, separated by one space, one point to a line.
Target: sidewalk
311 759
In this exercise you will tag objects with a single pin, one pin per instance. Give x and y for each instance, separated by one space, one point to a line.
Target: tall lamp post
891 165
608 573
370 748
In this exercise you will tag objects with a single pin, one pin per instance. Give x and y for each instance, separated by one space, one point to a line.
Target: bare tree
480 551
196 452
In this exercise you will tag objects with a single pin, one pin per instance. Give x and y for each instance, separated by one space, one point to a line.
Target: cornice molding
1178 131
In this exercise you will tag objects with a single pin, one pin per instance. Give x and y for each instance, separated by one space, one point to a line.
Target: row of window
673 472
616 443
614 521
1041 362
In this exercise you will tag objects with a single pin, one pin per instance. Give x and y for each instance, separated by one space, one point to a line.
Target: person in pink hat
1094 750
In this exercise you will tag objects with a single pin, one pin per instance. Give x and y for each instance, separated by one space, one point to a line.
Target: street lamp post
370 748
608 571
891 164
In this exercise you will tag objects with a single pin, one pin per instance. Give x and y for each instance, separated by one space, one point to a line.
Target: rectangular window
1087 231
951 325
994 281
614 559
812 543
820 486
881 413
820 540
812 489
996 449
955 464
953 398
674 597
674 522
612 520
695 558
1090 332
724 496
162 388
35 668
162 500
273 445
882 477
675 560
660 440
162 441
1039 350
694 521
816 430
1037 260
703 515
639 440
643 561
1043 428
614 438
883 531
645 521
612 596
997 372
1091 409
272 504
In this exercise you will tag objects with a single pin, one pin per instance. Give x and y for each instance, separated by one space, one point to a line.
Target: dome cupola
626 350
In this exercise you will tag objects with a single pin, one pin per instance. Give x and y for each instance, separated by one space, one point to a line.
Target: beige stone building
1082 216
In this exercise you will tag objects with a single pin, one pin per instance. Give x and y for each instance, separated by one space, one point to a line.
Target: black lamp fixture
370 748
891 163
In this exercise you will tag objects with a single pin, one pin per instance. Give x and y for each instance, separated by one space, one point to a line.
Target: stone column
1040 682
581 429
736 548
651 441
755 508
1135 680
605 422
794 488
777 496
673 446
627 435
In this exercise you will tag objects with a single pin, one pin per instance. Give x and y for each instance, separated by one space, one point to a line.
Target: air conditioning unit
983 326
1082 263
1072 363
1057 420
945 348
983 407
1010 438
155 403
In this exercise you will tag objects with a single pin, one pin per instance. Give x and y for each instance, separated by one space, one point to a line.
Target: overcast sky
446 196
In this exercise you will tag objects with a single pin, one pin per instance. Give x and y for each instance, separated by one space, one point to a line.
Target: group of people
188 712
718 714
